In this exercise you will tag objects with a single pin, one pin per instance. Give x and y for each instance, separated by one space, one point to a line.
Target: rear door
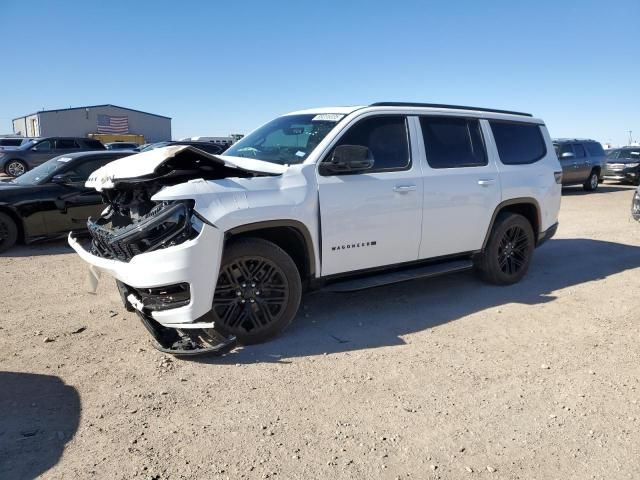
372 218
461 185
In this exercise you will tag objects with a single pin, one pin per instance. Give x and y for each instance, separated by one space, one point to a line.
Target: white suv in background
210 250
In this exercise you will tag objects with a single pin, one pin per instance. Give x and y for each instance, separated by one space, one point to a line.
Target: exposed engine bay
133 224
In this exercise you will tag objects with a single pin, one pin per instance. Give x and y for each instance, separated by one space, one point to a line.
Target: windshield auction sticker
328 117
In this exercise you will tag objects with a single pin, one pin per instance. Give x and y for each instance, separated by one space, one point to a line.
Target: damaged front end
171 289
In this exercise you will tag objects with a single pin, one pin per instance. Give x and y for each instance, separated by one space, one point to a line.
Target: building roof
90 106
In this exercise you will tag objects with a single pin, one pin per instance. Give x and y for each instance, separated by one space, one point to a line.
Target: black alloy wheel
507 255
258 291
8 232
512 252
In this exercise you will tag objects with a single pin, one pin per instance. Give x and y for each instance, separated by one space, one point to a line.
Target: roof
444 106
91 106
426 107
564 140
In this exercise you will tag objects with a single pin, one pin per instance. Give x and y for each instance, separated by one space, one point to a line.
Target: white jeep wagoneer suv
210 250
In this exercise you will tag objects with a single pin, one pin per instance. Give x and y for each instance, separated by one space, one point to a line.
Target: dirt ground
444 378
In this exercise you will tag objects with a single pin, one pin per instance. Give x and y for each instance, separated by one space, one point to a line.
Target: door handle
404 188
485 182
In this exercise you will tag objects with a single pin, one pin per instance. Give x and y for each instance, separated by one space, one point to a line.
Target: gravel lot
444 378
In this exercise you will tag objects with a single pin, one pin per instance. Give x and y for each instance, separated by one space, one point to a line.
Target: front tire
506 258
15 168
592 182
8 232
258 291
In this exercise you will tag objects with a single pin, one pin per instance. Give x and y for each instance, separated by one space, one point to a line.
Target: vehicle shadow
603 188
54 247
330 323
39 414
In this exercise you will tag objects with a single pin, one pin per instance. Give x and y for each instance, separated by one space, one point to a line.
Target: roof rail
439 105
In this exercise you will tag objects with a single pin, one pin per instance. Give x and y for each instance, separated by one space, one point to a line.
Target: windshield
28 144
42 172
286 140
629 155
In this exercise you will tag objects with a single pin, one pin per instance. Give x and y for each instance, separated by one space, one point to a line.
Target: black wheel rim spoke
512 250
251 294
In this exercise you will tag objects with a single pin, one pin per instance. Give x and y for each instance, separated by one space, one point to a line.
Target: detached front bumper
195 262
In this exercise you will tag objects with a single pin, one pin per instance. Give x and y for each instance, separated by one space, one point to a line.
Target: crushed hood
178 162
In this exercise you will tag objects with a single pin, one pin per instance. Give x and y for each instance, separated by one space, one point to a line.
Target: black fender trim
294 224
512 201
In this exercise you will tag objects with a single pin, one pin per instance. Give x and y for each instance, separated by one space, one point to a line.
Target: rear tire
507 255
258 291
15 168
8 232
592 182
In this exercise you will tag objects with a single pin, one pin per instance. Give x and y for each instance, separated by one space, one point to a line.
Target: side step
381 279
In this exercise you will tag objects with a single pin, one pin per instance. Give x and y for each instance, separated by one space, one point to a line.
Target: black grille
163 226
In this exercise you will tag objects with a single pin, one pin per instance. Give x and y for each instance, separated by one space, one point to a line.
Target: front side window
43 146
286 140
386 138
452 142
518 143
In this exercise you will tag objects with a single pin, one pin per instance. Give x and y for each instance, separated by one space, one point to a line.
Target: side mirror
568 155
61 179
348 159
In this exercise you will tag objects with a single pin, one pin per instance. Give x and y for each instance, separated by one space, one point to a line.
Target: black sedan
51 200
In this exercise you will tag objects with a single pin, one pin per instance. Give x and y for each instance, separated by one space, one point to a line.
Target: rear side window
95 144
66 143
10 142
518 143
453 142
594 149
578 149
385 137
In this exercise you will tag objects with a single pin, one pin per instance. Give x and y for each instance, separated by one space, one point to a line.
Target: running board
413 273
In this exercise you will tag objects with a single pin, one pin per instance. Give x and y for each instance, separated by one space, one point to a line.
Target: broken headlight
165 225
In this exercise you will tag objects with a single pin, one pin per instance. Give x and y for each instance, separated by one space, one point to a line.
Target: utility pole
630 138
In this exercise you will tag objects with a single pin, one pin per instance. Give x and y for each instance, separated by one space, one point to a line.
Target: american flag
113 124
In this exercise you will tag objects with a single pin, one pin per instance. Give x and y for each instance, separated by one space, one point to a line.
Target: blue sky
222 67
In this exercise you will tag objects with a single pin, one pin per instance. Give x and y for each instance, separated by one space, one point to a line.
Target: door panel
458 202
582 163
373 218
569 165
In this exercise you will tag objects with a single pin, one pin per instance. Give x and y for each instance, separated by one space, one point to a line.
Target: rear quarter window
594 149
518 143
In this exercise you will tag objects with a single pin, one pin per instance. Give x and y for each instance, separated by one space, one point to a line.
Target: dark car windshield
43 172
630 154
286 140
